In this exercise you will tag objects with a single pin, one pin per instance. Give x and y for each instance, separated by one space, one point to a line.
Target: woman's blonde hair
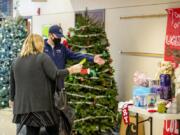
33 44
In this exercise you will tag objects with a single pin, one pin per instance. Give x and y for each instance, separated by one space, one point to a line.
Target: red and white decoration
171 127
125 114
85 71
172 41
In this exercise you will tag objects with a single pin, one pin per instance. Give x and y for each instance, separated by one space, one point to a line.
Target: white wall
28 8
66 20
141 35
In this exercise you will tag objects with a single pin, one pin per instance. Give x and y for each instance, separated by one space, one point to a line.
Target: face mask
56 41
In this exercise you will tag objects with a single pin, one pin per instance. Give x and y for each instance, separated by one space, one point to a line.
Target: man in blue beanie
59 53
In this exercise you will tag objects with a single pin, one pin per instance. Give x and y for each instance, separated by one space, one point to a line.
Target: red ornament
65 43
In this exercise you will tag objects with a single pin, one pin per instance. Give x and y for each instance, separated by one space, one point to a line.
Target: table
142 111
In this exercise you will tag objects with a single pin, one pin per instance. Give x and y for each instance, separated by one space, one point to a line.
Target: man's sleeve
78 56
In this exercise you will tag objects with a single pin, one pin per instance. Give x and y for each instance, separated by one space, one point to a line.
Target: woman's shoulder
43 56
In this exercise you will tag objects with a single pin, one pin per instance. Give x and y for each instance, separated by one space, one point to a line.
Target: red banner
171 127
172 41
125 114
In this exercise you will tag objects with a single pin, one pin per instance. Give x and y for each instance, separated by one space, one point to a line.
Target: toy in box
139 96
140 101
163 91
151 100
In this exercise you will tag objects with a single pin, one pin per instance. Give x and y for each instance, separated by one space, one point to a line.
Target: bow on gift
140 79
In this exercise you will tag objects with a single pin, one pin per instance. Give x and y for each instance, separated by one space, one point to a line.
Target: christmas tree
12 34
92 94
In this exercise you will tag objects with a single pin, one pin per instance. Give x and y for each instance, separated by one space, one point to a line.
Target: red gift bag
171 127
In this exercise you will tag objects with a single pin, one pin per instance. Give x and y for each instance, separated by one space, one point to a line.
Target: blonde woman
32 76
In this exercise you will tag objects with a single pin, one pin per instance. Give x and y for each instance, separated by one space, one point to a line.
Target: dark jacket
30 83
59 54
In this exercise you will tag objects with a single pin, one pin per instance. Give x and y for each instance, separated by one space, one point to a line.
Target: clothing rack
144 54
144 16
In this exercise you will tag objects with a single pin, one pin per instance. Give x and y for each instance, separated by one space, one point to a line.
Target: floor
6 125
